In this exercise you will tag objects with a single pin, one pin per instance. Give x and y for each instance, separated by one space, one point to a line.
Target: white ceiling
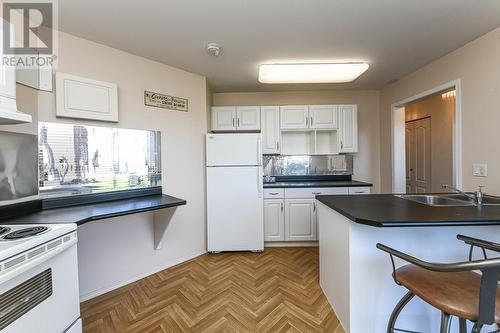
395 37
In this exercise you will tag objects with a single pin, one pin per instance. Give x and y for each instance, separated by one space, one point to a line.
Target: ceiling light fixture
311 73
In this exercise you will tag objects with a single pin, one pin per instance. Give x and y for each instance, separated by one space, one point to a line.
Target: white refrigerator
234 192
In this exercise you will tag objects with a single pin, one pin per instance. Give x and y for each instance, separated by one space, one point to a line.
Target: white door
294 116
223 118
418 148
323 116
274 220
235 209
247 118
234 149
270 119
300 220
348 128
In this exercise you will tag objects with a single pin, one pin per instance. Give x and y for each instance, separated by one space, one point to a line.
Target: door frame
398 136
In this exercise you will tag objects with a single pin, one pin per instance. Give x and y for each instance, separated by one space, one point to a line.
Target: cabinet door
294 116
270 120
248 118
323 116
348 128
274 220
223 118
300 220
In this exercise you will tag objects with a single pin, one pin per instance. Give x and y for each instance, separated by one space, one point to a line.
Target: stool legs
397 310
463 325
445 322
477 328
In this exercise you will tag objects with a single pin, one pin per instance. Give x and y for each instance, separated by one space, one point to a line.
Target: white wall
115 251
476 65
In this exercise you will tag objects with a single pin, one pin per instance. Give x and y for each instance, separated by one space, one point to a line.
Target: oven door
44 298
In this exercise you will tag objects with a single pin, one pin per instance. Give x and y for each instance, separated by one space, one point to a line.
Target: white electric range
39 279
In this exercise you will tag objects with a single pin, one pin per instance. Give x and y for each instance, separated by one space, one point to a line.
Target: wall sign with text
165 101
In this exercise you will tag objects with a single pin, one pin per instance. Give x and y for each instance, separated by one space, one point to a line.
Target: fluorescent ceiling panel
311 73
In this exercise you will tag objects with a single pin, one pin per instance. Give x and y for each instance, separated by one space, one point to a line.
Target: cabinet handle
311 121
316 193
233 122
238 122
281 204
314 206
341 145
277 145
273 193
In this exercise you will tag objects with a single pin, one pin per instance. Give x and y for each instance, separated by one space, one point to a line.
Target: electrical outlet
479 170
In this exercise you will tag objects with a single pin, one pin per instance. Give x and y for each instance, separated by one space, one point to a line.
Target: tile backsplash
292 165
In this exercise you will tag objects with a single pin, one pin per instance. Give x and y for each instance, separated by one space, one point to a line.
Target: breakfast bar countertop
82 214
388 210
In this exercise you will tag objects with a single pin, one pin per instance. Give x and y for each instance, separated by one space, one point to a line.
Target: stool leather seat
454 293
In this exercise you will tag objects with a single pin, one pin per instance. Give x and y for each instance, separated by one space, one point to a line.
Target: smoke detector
214 49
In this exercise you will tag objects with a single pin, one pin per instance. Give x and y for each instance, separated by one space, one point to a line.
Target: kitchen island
356 276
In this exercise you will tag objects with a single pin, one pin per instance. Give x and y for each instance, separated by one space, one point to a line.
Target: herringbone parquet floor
274 291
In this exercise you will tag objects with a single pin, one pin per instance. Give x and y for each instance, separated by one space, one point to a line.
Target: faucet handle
481 188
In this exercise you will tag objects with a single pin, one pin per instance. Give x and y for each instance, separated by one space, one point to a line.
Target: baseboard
119 284
291 244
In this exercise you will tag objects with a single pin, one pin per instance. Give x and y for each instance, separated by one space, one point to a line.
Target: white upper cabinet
223 118
232 118
348 128
248 118
294 116
323 116
8 106
270 126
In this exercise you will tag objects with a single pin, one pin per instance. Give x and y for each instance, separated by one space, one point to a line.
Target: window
79 159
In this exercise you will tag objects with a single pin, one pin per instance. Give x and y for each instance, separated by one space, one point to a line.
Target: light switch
479 170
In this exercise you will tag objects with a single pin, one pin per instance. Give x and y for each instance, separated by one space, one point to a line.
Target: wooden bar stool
452 288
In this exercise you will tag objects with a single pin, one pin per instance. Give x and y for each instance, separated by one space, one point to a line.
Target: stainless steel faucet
476 197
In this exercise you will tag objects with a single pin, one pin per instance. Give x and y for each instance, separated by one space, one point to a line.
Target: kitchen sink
449 199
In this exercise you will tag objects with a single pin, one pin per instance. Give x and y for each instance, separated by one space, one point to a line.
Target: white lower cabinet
274 220
290 214
300 220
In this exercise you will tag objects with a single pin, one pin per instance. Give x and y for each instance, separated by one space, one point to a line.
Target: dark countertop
387 210
302 184
97 211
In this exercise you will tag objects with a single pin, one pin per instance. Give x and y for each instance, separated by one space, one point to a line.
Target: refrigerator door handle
259 153
259 182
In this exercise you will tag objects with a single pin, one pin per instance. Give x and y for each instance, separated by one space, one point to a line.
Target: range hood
9 114
8 117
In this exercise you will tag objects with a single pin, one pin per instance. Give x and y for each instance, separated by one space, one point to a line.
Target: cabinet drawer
274 193
360 190
291 193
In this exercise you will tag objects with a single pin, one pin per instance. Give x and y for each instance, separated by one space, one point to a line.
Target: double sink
449 199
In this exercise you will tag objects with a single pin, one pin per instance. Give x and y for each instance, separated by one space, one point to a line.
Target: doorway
426 141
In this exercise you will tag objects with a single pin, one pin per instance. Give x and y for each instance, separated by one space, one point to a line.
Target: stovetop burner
3 230
26 232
